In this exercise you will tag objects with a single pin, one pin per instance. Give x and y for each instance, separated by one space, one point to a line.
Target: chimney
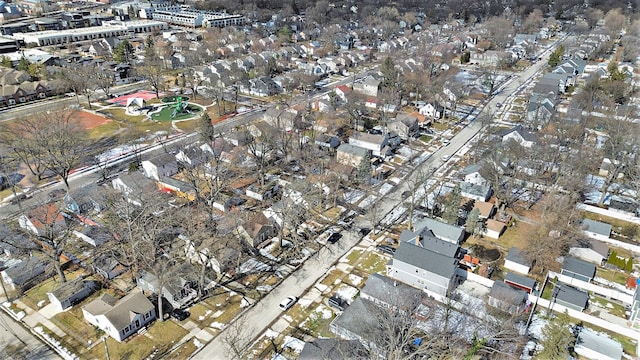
418 238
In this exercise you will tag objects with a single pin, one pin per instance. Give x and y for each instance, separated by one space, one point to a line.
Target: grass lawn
334 213
353 256
73 324
440 126
39 292
138 125
515 235
317 325
372 263
188 126
105 130
619 277
426 138
183 352
617 310
230 305
331 278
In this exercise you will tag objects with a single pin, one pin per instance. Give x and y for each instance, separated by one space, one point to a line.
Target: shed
593 251
596 228
517 261
521 282
578 269
507 298
570 297
67 294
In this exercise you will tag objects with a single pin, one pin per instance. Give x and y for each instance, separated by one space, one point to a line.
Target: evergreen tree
123 52
612 257
558 340
389 73
629 265
149 47
23 64
474 224
452 206
6 62
556 57
364 169
206 128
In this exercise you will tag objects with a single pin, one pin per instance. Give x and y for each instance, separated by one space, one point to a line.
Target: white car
287 303
445 157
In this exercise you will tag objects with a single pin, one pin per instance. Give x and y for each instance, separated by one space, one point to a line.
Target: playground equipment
179 107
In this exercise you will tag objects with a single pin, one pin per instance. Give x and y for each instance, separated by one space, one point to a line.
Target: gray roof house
443 231
357 322
160 166
570 297
385 291
67 294
592 250
596 229
333 349
507 298
85 200
20 274
428 264
520 135
120 318
578 269
179 290
475 192
593 346
634 318
351 155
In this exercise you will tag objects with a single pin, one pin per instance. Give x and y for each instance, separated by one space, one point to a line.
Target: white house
120 318
432 110
69 293
593 346
376 143
517 261
596 229
594 251
493 229
160 166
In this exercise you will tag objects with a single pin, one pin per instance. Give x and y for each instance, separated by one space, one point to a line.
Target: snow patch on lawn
294 344
355 279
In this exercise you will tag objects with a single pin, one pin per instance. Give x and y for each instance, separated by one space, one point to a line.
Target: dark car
57 194
16 199
334 238
390 250
180 315
364 231
337 302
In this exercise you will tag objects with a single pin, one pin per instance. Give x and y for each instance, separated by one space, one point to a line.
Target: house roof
571 295
67 290
474 189
517 256
333 349
387 290
484 207
120 313
473 168
352 149
596 227
495 225
507 293
359 318
524 133
25 270
596 246
426 259
441 230
520 280
579 267
598 343
366 137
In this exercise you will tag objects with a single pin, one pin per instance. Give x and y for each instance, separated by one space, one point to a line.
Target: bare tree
153 72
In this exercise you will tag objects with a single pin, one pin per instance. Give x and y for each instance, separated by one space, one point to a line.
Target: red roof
344 88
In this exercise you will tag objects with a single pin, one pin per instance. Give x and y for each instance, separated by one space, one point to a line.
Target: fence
607 292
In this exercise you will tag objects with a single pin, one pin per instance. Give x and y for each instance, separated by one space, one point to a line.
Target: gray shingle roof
333 349
571 295
517 256
352 149
507 293
578 266
441 230
387 290
599 344
426 259
521 280
596 227
120 313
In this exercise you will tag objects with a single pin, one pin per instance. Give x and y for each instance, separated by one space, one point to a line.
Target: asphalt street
13 335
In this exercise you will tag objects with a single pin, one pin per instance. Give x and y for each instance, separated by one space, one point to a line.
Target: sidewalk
33 318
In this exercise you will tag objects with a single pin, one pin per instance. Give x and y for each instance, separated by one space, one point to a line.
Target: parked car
287 303
16 199
499 105
180 315
334 237
337 302
389 250
57 194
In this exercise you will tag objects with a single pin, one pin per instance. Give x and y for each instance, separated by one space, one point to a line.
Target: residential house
429 264
569 297
72 292
486 209
351 155
85 200
472 175
280 119
520 135
493 228
120 318
377 144
263 86
179 188
578 269
490 58
20 274
357 322
371 103
593 346
521 282
507 298
193 156
386 292
596 229
539 110
343 92
405 125
133 185
179 285
443 231
593 251
328 142
634 318
263 192
369 86
517 261
164 165
107 266
238 138
43 218
258 229
333 349
475 192
432 110
607 166
94 235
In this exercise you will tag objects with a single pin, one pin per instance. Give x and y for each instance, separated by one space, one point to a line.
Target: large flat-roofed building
106 30
186 16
